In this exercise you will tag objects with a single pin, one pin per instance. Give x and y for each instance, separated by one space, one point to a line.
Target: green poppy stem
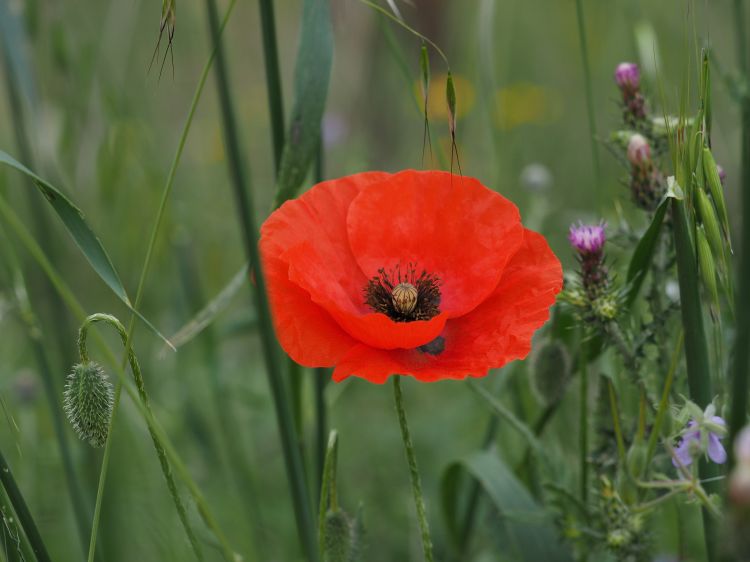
411 459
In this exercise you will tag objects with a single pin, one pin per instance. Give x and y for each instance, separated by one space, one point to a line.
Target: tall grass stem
582 39
273 78
245 208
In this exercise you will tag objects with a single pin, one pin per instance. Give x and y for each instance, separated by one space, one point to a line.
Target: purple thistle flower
587 239
628 76
691 444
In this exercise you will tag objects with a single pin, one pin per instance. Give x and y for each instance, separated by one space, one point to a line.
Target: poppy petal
306 332
495 333
450 226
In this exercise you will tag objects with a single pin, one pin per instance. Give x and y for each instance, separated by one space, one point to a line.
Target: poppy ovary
404 296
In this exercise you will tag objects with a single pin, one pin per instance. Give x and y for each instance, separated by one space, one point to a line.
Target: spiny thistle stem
245 208
411 459
589 93
141 387
22 511
584 421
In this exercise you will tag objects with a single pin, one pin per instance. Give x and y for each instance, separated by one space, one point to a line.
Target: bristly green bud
338 537
711 223
708 270
87 401
605 307
550 371
717 191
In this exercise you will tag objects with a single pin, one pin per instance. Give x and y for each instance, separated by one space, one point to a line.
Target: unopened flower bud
742 446
739 486
639 151
87 400
550 371
628 76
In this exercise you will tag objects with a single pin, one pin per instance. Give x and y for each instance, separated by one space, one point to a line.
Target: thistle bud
628 76
87 400
639 151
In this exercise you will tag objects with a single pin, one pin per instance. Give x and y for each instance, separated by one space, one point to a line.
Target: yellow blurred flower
525 103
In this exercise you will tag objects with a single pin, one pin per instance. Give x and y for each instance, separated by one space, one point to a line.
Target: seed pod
550 371
87 401
710 222
708 270
717 191
636 459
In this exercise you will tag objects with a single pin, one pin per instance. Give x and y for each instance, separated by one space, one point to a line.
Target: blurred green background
105 130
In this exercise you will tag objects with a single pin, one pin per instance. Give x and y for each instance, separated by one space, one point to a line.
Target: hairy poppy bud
87 401
338 537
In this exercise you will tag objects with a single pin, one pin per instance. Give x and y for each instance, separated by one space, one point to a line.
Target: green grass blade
526 531
91 247
311 77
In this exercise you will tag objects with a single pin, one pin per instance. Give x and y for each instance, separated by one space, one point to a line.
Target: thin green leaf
210 311
75 222
527 530
311 77
640 263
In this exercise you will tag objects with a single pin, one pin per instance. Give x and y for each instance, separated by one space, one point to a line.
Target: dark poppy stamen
404 296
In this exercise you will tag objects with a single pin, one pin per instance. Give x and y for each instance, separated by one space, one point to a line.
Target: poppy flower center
404 296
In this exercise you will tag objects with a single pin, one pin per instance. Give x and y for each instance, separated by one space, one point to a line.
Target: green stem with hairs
696 350
245 208
411 459
584 421
741 367
589 93
59 284
166 192
160 453
22 511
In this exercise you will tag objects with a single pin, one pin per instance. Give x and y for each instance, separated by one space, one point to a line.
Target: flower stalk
411 459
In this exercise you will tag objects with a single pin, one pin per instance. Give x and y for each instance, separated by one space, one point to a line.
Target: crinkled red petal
495 333
450 226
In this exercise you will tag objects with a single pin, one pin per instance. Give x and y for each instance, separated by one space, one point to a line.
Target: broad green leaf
75 222
526 530
311 77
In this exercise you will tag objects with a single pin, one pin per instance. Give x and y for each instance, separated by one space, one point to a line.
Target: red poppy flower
415 273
